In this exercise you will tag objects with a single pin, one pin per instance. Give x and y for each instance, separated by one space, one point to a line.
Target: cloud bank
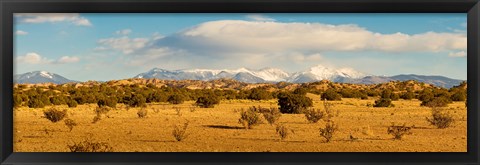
35 58
253 42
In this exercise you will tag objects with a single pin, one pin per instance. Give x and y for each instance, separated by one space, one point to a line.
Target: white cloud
236 43
67 59
259 17
124 44
458 54
73 18
237 35
32 58
35 58
20 32
123 32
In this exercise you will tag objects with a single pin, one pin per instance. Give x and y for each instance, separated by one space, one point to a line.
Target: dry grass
217 129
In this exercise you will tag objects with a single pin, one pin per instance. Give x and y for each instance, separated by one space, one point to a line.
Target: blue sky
117 46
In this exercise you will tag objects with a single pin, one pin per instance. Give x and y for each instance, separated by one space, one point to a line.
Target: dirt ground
217 129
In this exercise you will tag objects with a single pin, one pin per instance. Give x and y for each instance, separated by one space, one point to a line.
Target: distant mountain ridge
316 73
37 77
266 75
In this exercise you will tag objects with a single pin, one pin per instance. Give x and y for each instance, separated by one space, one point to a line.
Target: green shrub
293 103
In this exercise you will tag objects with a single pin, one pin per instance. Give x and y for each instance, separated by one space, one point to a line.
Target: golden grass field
217 129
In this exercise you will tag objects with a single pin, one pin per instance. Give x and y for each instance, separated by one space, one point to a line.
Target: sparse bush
272 115
399 131
207 102
142 113
293 103
178 110
54 115
96 118
440 118
179 133
313 115
383 102
329 130
329 111
249 118
283 131
70 123
87 146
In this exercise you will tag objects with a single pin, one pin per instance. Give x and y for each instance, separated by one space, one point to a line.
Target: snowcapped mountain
320 72
316 73
36 77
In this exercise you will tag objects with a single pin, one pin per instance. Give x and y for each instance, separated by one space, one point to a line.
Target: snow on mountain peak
45 74
316 73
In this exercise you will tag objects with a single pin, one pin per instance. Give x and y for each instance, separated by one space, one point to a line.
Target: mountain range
266 75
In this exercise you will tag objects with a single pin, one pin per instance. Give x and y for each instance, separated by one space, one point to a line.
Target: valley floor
217 129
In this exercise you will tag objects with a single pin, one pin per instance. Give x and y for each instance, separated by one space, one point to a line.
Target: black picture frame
8 7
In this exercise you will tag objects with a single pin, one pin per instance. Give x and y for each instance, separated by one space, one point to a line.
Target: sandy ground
217 129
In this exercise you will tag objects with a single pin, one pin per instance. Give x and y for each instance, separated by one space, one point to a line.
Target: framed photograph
242 82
